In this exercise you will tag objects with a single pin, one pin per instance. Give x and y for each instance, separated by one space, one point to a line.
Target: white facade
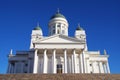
58 53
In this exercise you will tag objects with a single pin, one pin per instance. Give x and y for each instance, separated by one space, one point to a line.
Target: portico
55 57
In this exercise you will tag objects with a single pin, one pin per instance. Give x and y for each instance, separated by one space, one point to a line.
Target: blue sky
100 19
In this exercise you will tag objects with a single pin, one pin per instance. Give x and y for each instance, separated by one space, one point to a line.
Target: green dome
37 28
58 15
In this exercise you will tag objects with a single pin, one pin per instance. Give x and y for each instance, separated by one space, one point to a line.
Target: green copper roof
37 28
57 15
79 28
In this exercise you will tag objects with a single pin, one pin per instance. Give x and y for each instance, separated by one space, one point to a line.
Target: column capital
44 48
74 48
36 50
54 49
104 62
65 49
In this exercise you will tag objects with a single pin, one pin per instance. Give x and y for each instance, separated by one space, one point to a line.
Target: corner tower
36 35
81 35
58 24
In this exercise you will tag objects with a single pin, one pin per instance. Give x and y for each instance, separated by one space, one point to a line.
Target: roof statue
105 53
79 28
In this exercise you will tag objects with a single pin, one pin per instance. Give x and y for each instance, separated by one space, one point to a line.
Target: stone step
59 76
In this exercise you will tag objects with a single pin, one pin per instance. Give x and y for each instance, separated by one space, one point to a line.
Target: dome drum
57 22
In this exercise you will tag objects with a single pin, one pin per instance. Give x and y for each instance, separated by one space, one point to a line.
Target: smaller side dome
38 27
79 28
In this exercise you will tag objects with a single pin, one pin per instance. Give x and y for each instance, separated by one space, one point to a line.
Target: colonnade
17 67
100 67
73 65
11 68
73 62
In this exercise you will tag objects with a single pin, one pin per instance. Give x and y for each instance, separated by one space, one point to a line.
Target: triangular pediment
59 39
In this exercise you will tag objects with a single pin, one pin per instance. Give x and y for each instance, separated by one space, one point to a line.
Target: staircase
59 76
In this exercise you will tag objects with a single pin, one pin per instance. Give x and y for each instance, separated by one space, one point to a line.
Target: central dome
58 24
58 15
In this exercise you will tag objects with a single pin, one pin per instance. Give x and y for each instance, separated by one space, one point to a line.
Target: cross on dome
58 11
37 27
38 24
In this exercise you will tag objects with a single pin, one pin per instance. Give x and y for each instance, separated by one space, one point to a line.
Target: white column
54 61
45 62
28 69
69 70
105 70
11 68
94 67
97 67
14 69
22 67
88 65
74 59
84 63
35 66
65 61
72 65
61 28
56 28
81 62
108 69
101 67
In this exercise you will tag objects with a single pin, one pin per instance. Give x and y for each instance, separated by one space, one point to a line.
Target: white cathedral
58 53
